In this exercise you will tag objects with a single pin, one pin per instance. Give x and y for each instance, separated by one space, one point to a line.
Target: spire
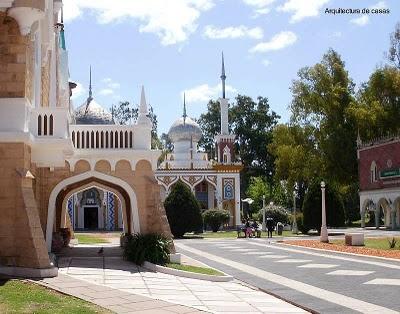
184 109
359 142
62 35
143 105
223 76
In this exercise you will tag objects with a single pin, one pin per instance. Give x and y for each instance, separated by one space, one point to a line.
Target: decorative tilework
70 207
111 211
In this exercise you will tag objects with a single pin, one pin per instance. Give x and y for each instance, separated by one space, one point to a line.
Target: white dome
185 130
95 114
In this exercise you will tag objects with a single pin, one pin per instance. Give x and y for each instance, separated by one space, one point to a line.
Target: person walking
270 227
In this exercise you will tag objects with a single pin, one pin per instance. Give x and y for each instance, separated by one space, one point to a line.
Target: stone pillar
393 217
377 214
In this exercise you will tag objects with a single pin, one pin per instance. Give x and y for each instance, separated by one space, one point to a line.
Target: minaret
184 109
223 102
142 137
143 118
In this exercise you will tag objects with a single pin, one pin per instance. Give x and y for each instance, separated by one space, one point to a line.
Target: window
39 125
51 125
374 172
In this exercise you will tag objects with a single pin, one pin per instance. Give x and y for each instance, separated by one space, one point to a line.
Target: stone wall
22 241
12 58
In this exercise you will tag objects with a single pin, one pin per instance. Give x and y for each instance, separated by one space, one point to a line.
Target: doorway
91 217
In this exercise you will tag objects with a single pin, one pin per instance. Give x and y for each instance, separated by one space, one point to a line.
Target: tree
252 122
394 50
312 207
321 98
183 210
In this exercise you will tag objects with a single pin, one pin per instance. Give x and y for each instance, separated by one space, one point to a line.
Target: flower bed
392 253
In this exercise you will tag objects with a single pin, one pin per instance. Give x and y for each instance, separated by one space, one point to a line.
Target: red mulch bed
343 248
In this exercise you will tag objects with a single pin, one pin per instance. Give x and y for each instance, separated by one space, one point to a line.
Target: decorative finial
184 109
143 104
90 98
359 142
223 76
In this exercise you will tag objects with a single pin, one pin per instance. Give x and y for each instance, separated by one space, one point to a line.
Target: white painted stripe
273 256
318 266
383 281
244 250
255 253
293 260
343 258
349 272
329 296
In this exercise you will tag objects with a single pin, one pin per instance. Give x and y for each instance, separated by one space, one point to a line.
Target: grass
89 239
23 297
233 234
195 269
376 243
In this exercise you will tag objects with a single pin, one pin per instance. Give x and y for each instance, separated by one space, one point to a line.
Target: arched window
227 155
73 138
130 139
121 139
87 139
92 140
39 125
106 139
126 139
116 139
45 125
111 139
51 125
374 172
102 139
97 139
83 139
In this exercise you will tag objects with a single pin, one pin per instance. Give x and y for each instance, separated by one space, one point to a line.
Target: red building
379 176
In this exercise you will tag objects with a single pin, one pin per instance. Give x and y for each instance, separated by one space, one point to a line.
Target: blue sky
171 46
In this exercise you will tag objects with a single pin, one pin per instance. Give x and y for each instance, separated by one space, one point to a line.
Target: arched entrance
64 189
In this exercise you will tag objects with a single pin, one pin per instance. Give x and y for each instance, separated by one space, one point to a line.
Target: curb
187 274
25 272
340 252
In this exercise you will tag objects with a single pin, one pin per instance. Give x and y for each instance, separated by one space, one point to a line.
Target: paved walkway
124 288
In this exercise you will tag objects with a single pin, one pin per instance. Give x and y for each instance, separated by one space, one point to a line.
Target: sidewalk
125 288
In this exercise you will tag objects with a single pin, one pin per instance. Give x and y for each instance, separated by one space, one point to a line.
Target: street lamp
324 230
294 227
264 227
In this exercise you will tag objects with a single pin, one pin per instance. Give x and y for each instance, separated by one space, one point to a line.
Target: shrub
276 212
312 207
215 218
151 247
183 210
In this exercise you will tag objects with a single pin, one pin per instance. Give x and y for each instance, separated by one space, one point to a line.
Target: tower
224 141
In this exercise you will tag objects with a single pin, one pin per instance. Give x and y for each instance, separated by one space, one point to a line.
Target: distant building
215 183
379 176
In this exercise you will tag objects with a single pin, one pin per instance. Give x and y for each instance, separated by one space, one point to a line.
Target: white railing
102 136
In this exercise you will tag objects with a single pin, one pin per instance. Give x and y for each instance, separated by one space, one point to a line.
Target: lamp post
324 230
294 226
264 227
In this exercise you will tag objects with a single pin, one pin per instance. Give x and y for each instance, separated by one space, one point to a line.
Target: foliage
349 194
151 247
276 212
312 207
394 50
321 98
215 218
252 122
195 269
183 210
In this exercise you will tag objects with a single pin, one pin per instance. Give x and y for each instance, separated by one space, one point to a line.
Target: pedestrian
249 230
270 227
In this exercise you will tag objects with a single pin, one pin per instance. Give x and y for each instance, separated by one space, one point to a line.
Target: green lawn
22 297
376 243
195 269
89 239
233 234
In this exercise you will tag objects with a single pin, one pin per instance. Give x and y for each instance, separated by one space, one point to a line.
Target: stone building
47 155
216 182
379 177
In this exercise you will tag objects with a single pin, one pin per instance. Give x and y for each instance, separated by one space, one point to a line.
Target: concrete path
125 280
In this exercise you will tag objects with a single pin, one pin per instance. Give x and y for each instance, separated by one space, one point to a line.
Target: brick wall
383 155
12 58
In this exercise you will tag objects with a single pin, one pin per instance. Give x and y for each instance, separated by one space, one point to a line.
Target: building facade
52 158
216 182
379 177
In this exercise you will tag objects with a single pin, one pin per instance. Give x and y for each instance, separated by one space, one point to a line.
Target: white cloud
78 91
203 93
106 91
172 21
336 34
279 41
266 62
107 80
258 3
233 32
360 21
379 5
302 9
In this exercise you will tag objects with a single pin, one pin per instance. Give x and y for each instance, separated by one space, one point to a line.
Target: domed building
215 183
